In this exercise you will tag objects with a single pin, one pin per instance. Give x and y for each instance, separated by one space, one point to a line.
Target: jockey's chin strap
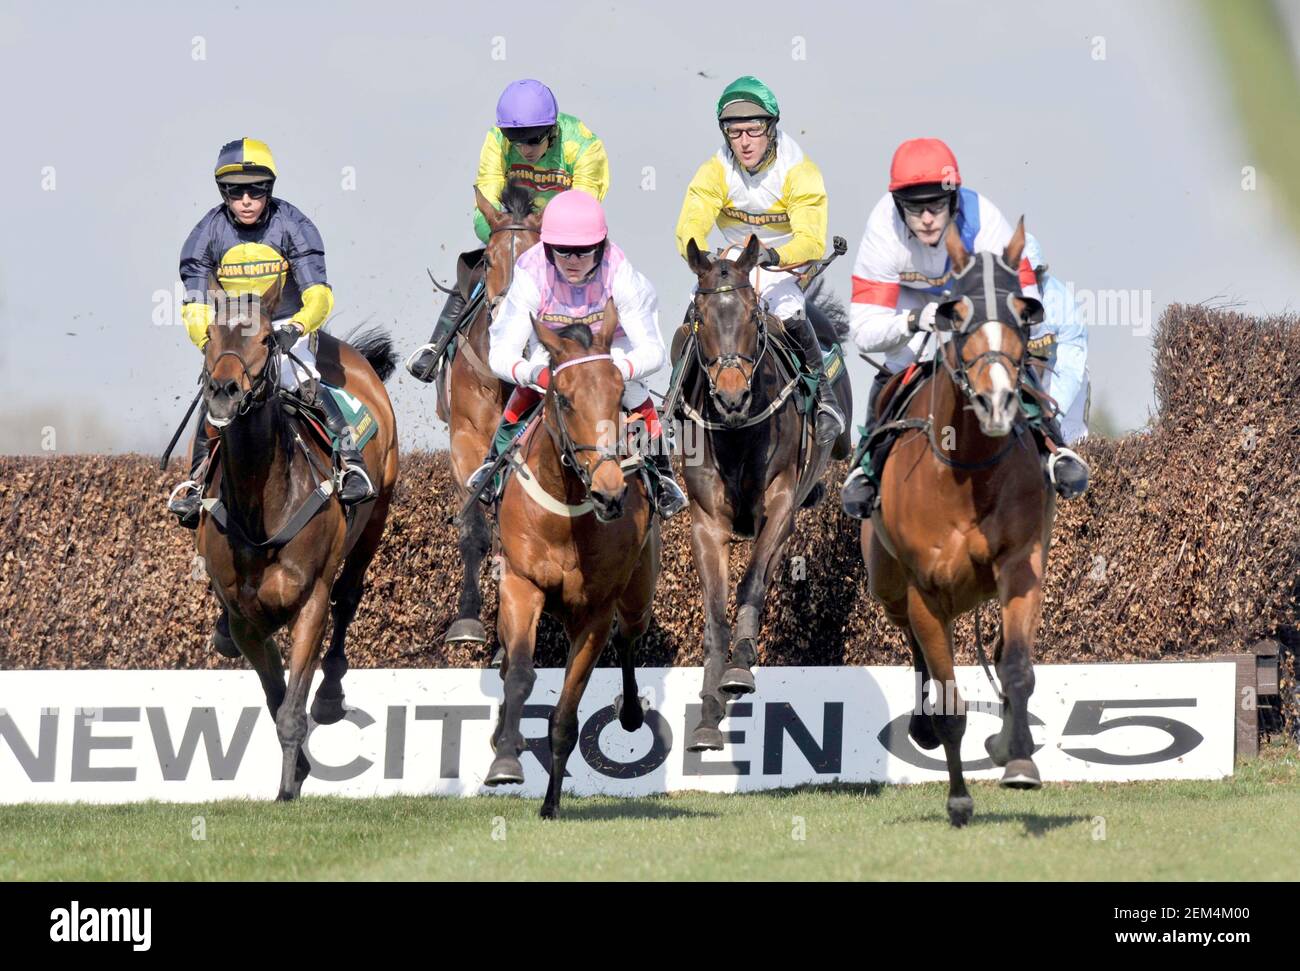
713 369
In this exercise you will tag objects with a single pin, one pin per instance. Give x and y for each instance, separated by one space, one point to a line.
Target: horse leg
709 542
291 719
264 657
1021 592
934 634
587 647
520 607
327 707
475 540
635 611
769 551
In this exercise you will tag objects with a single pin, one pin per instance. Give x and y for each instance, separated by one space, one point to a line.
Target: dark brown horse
965 514
471 398
269 468
759 463
578 542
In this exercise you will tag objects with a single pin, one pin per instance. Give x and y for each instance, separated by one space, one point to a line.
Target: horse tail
376 346
827 312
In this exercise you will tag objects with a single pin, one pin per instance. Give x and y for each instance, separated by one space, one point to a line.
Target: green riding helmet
748 97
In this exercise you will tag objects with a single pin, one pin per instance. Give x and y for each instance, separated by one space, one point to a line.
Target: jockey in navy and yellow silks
248 243
534 145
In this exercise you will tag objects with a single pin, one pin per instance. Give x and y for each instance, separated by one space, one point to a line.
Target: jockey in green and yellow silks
249 242
535 145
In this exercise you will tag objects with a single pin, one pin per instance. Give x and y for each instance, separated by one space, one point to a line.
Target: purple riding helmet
526 104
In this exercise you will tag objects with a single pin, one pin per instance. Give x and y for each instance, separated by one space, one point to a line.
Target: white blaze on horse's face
995 407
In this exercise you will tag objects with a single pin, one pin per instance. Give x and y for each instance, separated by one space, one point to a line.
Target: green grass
1237 829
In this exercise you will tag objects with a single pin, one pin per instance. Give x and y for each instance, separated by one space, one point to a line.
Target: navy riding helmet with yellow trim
243 161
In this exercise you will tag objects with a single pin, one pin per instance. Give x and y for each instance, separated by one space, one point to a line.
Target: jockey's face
576 264
749 139
243 206
928 225
531 143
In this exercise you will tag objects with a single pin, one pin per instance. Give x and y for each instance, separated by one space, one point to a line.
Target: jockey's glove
770 257
924 320
287 336
540 377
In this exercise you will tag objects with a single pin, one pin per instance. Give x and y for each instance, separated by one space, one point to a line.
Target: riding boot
354 483
861 487
830 420
422 364
501 439
1065 468
186 499
669 498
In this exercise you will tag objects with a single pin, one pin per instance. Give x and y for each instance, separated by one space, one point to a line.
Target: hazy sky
1107 124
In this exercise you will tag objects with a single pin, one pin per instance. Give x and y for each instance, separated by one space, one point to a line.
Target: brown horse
578 541
759 463
270 472
965 514
471 398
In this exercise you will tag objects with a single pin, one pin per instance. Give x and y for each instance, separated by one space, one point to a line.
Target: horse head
511 229
730 331
583 408
988 319
239 363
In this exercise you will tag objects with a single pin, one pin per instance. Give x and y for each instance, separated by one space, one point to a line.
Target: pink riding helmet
573 218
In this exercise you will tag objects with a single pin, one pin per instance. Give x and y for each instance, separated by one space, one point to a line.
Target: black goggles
233 191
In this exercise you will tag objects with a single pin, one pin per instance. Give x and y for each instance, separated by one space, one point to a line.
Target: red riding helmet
924 162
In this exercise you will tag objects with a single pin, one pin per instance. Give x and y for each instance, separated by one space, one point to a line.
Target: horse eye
563 402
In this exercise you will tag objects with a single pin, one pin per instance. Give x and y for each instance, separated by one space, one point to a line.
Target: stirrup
1063 453
476 477
350 468
410 362
189 485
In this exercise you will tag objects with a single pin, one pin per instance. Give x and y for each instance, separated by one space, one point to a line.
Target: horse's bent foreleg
520 607
291 720
635 613
768 553
587 647
709 543
474 540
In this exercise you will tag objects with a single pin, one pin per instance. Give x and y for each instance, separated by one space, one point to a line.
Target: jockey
534 145
249 242
1061 341
761 183
899 277
567 279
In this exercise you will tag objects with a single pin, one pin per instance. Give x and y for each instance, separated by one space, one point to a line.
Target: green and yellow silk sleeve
491 180
705 197
591 170
805 200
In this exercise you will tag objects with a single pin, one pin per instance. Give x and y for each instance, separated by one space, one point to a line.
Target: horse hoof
920 728
997 750
960 810
505 771
327 711
737 681
705 740
549 811
466 629
631 718
498 657
1021 774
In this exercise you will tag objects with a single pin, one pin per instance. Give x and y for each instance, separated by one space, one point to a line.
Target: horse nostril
231 388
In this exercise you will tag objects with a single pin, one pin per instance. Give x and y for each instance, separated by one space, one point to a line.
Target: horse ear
605 337
696 259
549 340
1016 248
494 216
749 255
957 254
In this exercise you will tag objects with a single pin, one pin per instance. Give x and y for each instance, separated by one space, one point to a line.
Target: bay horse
270 474
578 541
471 398
969 518
759 463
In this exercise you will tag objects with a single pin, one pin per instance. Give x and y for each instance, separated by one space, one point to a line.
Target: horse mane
517 201
580 333
822 300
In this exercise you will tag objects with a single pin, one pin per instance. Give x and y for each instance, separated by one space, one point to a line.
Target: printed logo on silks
756 218
251 268
592 320
540 180
1042 346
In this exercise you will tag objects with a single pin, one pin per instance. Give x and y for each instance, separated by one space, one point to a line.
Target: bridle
713 368
513 229
257 393
564 442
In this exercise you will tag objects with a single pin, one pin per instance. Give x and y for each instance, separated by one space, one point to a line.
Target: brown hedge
1187 543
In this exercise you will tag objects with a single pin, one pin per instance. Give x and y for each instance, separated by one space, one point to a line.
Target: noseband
256 394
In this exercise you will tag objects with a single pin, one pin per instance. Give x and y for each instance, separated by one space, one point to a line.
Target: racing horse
759 463
272 537
579 541
967 519
470 397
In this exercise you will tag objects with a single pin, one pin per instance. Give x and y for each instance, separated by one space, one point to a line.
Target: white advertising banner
124 736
